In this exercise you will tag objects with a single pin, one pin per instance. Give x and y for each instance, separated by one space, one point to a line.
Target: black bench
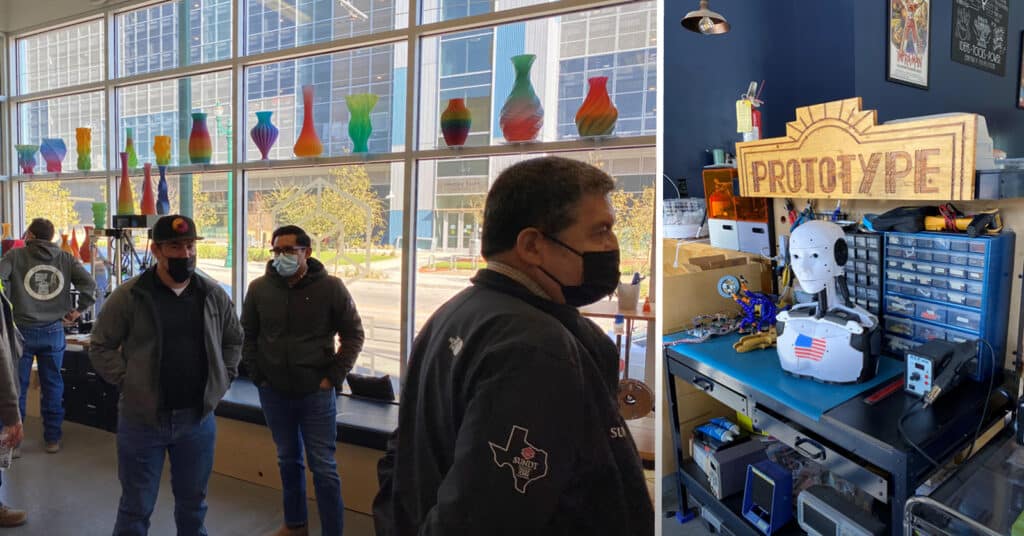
361 421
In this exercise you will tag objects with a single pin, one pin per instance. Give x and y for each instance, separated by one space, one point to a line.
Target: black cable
906 438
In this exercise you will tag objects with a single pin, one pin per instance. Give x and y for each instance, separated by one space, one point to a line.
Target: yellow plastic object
747 425
938 223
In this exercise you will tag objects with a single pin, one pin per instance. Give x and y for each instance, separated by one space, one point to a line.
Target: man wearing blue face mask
291 315
170 341
509 422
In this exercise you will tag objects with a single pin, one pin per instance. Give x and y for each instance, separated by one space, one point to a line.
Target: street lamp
224 129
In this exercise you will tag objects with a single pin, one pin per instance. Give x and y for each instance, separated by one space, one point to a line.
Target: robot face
818 253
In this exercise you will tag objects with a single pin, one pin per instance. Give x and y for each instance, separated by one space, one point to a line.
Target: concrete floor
670 502
76 492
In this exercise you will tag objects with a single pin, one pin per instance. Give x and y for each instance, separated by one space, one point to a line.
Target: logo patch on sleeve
527 462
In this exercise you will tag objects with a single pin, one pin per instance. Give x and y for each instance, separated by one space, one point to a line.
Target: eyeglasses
292 250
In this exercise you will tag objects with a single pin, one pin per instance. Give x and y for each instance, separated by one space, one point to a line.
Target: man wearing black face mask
509 422
170 340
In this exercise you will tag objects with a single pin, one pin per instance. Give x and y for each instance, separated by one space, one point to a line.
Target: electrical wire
906 438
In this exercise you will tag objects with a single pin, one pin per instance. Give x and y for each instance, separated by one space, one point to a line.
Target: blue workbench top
760 370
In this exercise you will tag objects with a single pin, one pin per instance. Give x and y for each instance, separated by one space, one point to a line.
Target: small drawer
908 278
931 312
957 298
720 392
899 326
871 281
893 275
860 241
818 451
922 292
978 246
940 243
849 240
860 266
959 260
968 320
958 245
958 285
973 300
890 263
872 306
894 287
900 253
974 288
859 254
924 255
940 257
861 279
976 261
958 272
953 335
861 302
924 243
894 240
925 333
871 294
975 275
939 270
872 268
926 280
902 306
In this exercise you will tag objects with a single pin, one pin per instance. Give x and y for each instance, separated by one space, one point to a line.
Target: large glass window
277 87
58 118
354 216
441 10
173 34
166 108
278 24
475 66
68 56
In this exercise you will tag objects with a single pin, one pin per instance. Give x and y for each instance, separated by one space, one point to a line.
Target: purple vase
264 134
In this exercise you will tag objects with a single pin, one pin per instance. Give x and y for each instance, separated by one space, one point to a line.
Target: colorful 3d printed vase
26 157
200 146
359 128
129 147
455 122
148 206
6 233
308 144
85 251
522 115
597 115
74 243
53 151
162 150
64 245
125 202
163 204
264 134
99 215
83 137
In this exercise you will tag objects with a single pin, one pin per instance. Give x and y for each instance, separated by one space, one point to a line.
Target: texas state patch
527 462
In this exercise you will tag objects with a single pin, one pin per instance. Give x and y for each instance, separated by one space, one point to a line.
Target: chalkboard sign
980 35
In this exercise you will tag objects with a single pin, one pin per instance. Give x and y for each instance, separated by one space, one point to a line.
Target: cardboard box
690 281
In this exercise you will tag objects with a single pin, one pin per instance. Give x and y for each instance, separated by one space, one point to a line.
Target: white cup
629 297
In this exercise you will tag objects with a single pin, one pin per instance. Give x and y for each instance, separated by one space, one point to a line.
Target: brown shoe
10 517
285 530
53 448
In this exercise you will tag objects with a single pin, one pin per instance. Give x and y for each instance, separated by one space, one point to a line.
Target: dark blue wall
704 75
812 51
953 87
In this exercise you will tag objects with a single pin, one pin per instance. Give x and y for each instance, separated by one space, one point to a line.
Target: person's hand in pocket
326 384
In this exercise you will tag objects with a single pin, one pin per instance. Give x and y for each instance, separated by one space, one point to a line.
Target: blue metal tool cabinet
942 286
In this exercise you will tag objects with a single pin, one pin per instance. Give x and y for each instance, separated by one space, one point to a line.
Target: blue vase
163 204
264 134
53 151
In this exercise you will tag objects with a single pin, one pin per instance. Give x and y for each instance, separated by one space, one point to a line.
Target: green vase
359 127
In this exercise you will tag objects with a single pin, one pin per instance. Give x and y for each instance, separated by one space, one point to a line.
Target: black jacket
509 425
289 332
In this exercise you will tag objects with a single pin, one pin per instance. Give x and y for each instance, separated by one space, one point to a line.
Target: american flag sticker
810 347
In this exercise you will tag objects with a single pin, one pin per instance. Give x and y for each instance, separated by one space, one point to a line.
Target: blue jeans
46 343
188 441
310 422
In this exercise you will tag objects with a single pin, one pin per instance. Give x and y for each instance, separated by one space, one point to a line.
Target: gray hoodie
36 279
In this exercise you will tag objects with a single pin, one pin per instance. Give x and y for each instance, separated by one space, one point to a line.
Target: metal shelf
999 184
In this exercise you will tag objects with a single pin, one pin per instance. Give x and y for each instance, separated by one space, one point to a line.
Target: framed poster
1020 76
908 42
980 34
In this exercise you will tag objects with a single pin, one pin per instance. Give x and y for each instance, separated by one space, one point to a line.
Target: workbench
829 424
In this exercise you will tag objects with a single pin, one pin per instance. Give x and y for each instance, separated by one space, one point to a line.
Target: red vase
125 201
148 202
308 144
85 252
597 115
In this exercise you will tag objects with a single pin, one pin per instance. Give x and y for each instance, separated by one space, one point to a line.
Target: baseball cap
174 227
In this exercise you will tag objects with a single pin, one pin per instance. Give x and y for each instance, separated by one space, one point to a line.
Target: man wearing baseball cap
170 340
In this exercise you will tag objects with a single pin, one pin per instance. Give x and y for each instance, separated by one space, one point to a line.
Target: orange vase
85 252
308 145
64 245
597 115
74 243
148 203
125 202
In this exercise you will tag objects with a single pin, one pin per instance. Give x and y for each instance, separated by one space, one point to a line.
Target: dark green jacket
126 343
289 331
10 352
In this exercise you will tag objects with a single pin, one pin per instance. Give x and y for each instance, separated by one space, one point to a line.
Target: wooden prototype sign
836 150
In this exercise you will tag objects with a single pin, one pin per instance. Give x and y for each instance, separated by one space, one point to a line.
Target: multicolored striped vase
200 146
53 151
455 122
264 134
26 157
522 115
598 115
163 203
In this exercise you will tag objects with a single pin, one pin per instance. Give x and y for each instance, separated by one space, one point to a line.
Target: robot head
818 253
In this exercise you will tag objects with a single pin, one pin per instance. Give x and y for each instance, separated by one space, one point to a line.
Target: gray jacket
126 342
10 351
36 279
